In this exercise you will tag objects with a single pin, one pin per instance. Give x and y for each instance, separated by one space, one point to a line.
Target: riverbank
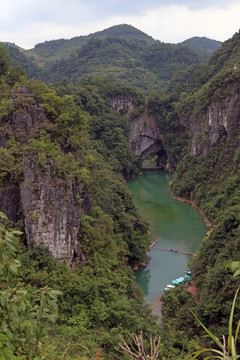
173 226
195 206
151 168
157 305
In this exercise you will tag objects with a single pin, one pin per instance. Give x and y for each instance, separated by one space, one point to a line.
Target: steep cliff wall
145 137
221 119
124 103
52 206
209 175
19 125
52 210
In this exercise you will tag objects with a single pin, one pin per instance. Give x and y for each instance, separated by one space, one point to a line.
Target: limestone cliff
221 119
52 207
27 115
145 137
52 210
123 103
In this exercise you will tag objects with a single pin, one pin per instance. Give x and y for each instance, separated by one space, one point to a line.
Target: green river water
175 225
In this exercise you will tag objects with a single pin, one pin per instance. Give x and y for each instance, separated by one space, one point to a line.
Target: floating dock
172 250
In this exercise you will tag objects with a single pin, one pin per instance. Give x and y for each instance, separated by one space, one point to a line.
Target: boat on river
173 226
179 280
169 287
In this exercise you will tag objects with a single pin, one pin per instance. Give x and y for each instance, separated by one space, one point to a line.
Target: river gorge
173 225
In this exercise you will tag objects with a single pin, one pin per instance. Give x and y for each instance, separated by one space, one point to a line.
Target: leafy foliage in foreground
25 310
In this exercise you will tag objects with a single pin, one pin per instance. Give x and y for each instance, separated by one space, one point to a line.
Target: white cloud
27 22
5 9
177 23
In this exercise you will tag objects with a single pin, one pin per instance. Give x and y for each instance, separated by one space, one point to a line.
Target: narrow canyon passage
174 225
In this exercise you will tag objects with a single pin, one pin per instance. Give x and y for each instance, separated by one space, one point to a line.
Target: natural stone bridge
145 138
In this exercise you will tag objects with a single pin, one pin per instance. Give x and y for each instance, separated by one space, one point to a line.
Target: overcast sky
28 22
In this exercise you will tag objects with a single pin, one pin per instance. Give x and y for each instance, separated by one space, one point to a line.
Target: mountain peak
203 42
203 45
123 30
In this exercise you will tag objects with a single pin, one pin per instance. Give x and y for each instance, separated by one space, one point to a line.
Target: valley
78 121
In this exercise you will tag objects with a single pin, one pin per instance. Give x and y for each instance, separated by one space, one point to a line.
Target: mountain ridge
202 45
76 42
201 124
119 53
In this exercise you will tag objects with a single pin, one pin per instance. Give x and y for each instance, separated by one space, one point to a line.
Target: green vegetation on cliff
83 141
100 299
208 174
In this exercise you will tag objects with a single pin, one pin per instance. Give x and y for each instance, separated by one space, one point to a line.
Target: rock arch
145 139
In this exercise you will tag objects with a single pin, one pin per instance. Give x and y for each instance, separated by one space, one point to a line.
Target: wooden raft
172 250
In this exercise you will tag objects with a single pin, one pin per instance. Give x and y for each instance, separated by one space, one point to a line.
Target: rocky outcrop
10 200
221 119
27 115
144 136
52 206
124 103
52 211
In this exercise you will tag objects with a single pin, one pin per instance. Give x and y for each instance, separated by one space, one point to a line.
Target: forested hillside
19 59
54 166
56 49
209 175
119 53
64 161
202 45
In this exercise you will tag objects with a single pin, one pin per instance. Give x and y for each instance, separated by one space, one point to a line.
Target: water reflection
173 224
143 277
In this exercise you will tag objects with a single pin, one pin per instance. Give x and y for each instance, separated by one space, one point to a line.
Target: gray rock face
52 211
144 136
124 103
27 114
221 119
10 200
52 206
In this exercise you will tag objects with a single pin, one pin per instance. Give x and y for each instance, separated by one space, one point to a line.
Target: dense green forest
100 299
120 53
19 59
202 45
208 174
56 49
126 61
49 311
